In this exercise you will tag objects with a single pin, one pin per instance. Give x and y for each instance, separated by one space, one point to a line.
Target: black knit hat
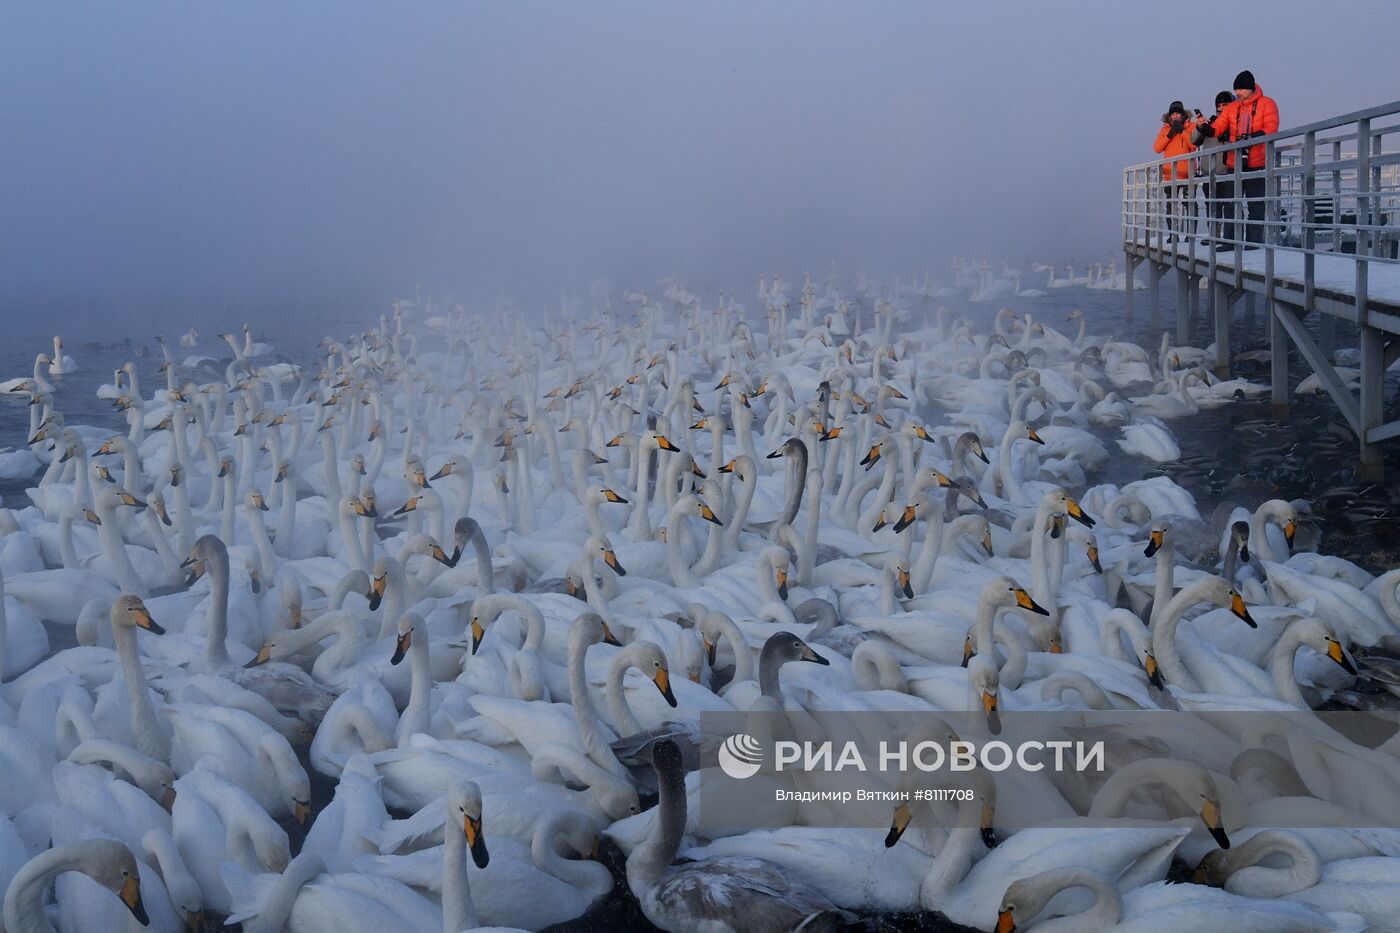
1244 81
1176 107
1224 97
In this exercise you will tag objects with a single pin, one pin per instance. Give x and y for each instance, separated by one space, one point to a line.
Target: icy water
1236 454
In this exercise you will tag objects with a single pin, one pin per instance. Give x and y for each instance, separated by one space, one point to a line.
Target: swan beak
1093 552
478 633
729 467
981 454
1078 514
196 571
572 588
261 503
67 455
830 435
989 836
987 543
664 444
904 584
376 591
1006 921
898 824
900 395
613 497
223 469
880 420
1154 673
1289 530
989 706
1210 813
710 649
708 515
128 499
610 559
906 519
131 897
1154 543
301 809
1023 599
617 440
194 921
662 679
262 657
405 641
698 426
443 470
724 382
967 650
597 459
879 522
1031 435
609 638
871 458
408 506
281 475
806 653
189 561
1244 552
781 576
1057 527
1334 651
1238 607
441 557
471 828
163 515
1200 876
366 511
91 516
167 800
144 620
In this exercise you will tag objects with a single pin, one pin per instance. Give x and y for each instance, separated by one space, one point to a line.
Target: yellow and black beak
442 556
281 475
906 518
699 425
781 577
724 382
987 543
773 456
1057 527
831 434
128 499
922 435
262 657
967 650
131 897
1238 607
898 824
729 467
880 420
1078 514
981 454
905 586
167 799
806 653
879 522
407 507
616 440
708 514
1093 553
196 568
1006 921
1154 673
1032 436
144 620
1023 599
478 633
1210 814
163 514
989 834
871 458
1154 543
610 558
695 470
301 809
261 504
444 470
376 591
1335 652
68 453
662 679
609 638
476 841
91 516
1289 530
710 649
665 444
989 706
405 641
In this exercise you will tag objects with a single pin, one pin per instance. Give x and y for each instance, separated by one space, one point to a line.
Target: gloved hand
1257 133
1205 129
1173 129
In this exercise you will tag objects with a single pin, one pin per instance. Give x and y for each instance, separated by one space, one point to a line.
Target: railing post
1278 346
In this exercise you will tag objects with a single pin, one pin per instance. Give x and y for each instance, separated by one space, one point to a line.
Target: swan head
600 547
786 646
289 773
464 810
1323 638
1004 591
403 637
130 612
1157 538
255 501
648 658
1062 503
982 677
111 864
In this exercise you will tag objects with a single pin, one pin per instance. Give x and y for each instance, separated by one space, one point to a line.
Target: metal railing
1326 188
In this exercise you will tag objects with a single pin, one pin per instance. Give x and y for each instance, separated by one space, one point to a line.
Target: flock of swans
398 640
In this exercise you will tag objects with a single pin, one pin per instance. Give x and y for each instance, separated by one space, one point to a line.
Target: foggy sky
238 154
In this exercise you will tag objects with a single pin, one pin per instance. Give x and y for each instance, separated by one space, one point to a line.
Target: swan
105 861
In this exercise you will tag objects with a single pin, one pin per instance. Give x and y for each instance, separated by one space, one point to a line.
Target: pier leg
1278 365
1249 305
1183 280
1327 335
1130 262
1372 401
1154 276
1222 330
1184 336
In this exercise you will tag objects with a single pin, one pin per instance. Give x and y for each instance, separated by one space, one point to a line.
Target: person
1220 185
1174 139
1250 116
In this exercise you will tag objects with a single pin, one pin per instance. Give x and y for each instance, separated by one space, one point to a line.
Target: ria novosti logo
740 756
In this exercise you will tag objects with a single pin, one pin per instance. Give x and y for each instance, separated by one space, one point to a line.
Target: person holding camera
1219 185
1174 139
1250 116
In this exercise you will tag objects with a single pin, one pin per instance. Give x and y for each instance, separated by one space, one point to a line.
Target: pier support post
1222 330
1278 365
1327 335
1372 354
1154 276
1194 309
1183 279
1131 262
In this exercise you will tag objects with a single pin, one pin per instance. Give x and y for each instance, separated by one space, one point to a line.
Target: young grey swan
716 894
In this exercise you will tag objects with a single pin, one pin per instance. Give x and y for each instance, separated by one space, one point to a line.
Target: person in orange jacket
1174 139
1251 115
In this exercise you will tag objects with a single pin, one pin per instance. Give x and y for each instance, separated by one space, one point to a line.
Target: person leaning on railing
1251 115
1220 185
1174 139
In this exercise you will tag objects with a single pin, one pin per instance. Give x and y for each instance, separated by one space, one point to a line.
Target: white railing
1328 187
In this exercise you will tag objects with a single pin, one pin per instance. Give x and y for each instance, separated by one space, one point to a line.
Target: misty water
1235 454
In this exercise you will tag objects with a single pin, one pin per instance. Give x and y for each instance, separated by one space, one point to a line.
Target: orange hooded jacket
1254 114
1177 145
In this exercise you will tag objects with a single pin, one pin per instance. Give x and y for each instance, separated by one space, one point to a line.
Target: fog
332 154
